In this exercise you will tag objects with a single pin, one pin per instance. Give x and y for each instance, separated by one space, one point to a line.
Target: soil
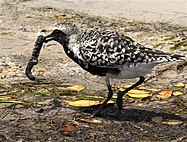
42 113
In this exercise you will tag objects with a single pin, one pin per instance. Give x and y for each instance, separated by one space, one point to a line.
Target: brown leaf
165 94
68 129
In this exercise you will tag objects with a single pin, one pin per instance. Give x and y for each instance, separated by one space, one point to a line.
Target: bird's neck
64 41
69 52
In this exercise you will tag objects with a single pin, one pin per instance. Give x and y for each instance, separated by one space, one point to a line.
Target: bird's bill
49 38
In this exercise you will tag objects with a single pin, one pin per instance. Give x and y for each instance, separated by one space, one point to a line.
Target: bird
109 54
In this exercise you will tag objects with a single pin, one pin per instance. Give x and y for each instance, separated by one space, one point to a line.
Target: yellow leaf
75 88
134 91
121 89
165 94
93 97
127 85
110 102
148 89
139 95
180 84
85 103
93 120
152 89
114 96
177 93
172 122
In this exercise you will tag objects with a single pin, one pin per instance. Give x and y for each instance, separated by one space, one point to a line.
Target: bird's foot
97 112
90 116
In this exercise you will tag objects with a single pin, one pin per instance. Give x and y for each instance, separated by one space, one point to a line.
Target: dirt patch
43 112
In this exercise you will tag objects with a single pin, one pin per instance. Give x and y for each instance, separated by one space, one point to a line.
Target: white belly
133 72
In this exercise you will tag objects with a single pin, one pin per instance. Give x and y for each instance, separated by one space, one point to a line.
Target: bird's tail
179 57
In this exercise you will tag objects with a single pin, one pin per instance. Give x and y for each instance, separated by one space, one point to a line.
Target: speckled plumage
104 53
113 50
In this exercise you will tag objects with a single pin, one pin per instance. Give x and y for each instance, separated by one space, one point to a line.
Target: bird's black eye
56 31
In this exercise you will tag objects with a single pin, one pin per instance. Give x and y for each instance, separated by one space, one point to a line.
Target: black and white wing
112 49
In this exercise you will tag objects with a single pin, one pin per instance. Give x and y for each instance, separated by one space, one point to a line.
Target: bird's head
56 35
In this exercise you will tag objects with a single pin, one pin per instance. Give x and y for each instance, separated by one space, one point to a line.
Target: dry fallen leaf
93 120
165 94
114 96
148 89
134 91
138 93
85 103
75 88
177 93
68 129
180 84
94 97
172 122
127 85
121 89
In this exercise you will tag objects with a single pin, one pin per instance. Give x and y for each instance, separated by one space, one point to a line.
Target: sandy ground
44 112
174 12
22 21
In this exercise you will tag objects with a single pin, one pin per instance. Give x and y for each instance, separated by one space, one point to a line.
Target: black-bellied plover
104 53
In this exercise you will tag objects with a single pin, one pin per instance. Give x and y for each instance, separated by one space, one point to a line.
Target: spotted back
111 49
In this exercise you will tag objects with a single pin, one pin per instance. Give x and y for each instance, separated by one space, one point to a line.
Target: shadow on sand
131 114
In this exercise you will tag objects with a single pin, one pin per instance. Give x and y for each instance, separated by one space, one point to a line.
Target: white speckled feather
113 50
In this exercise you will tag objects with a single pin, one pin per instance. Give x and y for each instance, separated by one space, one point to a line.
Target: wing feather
111 49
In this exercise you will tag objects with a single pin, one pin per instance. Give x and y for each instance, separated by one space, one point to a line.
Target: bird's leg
120 94
110 94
